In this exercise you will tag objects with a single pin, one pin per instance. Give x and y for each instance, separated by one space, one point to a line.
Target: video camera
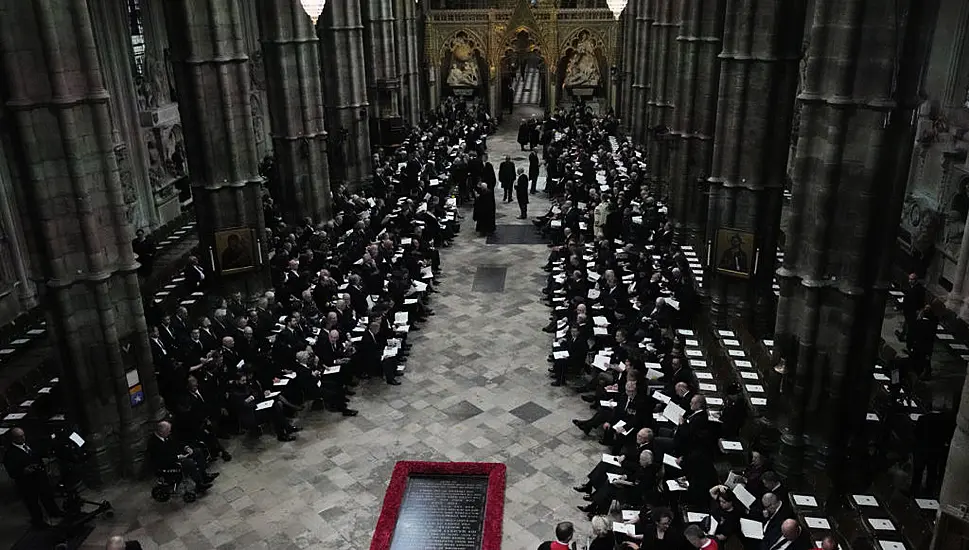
69 451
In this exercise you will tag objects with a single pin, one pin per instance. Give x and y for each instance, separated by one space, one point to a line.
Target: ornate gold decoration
495 29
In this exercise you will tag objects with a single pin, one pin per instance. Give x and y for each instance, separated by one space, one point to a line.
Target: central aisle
475 390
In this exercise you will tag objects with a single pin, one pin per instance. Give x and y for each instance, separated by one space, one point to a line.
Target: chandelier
313 8
615 5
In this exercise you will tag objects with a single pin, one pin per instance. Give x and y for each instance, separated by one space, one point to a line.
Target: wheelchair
167 485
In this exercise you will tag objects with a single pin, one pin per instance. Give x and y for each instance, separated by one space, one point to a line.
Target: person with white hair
603 537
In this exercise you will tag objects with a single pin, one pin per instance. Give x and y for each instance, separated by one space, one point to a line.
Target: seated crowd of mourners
346 294
618 295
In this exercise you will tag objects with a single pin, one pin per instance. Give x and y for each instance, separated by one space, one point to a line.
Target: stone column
643 49
340 29
694 120
258 100
955 484
78 235
662 68
113 36
13 252
212 75
383 82
758 82
294 89
855 137
433 88
626 69
408 52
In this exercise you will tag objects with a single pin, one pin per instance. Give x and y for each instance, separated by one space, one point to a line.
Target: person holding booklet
725 514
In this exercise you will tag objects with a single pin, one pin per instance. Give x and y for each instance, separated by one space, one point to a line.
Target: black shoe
586 509
209 478
394 382
582 489
587 498
350 392
589 398
226 457
203 487
285 437
352 412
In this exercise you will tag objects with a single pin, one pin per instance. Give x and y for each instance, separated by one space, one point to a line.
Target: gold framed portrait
734 253
235 250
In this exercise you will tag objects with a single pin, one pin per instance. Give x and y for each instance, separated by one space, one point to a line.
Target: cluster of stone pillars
850 72
714 93
71 102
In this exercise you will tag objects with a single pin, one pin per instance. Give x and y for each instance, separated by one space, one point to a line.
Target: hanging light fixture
313 8
616 6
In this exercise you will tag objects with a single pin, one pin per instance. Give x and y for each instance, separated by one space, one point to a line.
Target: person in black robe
523 134
484 210
488 174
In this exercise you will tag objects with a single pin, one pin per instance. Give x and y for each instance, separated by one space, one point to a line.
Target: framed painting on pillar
734 252
236 250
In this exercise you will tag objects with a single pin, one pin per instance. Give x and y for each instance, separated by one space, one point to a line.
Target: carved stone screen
441 513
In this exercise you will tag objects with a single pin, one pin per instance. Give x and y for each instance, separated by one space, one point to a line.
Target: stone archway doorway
522 72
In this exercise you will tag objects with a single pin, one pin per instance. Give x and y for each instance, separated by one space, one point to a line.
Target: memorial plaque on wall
441 512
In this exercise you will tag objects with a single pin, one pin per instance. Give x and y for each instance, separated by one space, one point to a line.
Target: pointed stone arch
469 36
578 34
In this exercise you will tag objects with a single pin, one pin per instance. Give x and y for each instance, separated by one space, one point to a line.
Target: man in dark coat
523 134
475 168
506 175
912 302
533 168
488 174
484 211
144 248
23 464
921 339
521 193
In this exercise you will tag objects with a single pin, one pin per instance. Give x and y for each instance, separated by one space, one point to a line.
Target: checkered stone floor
475 390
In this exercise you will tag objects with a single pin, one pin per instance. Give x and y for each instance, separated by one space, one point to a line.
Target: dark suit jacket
163 455
16 461
772 526
195 277
358 300
695 435
369 352
506 174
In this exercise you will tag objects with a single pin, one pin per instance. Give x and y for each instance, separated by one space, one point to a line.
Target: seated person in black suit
243 396
164 453
794 538
630 488
198 416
